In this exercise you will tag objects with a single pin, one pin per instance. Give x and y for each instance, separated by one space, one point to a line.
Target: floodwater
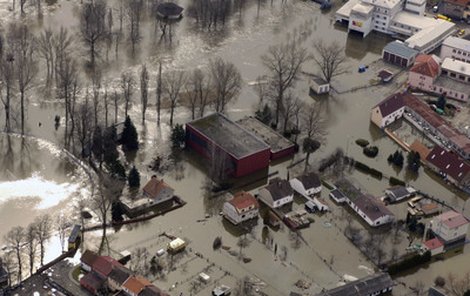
322 259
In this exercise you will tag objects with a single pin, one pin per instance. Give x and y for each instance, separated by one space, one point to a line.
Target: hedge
394 181
375 173
362 142
409 262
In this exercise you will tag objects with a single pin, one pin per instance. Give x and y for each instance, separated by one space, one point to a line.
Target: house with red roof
92 282
424 72
450 227
103 265
388 110
87 260
435 246
450 166
242 207
135 284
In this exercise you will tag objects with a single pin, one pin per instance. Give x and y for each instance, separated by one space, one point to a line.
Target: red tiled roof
88 257
449 163
104 265
426 65
154 186
243 200
433 244
452 219
136 284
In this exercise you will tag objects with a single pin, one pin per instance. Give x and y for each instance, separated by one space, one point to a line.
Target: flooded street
37 177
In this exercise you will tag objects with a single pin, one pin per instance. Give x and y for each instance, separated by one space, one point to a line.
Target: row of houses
374 284
278 193
107 276
420 114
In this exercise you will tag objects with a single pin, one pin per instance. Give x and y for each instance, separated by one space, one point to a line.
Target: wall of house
458 54
113 285
165 194
396 60
265 196
447 234
376 117
283 153
451 93
298 186
252 163
231 213
419 81
461 77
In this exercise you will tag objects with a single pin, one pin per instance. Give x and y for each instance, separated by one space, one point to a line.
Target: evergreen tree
264 115
178 136
441 102
134 178
413 160
110 152
129 138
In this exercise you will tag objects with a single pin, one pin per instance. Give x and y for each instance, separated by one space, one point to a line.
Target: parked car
221 290
310 207
435 8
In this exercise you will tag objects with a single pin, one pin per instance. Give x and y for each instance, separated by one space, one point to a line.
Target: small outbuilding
319 86
170 11
385 75
435 246
398 53
307 184
176 245
242 207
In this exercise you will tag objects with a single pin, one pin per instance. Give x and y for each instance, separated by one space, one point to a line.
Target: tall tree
129 138
15 239
159 90
284 62
309 146
31 245
127 87
93 26
144 90
46 45
97 147
329 58
134 14
227 82
198 90
96 89
7 72
62 225
172 85
67 77
43 227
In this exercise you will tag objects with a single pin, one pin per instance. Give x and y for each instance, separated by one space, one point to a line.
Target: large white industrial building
404 18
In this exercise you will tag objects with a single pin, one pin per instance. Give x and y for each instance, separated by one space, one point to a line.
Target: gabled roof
154 187
92 280
136 284
371 207
391 104
399 48
152 291
449 163
119 274
309 180
88 257
168 9
104 265
452 219
243 200
398 191
279 188
427 65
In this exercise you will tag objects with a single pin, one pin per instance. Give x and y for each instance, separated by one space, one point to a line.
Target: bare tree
284 62
227 82
22 3
84 125
144 90
46 47
290 104
134 13
43 227
329 58
127 87
96 88
106 105
116 105
159 90
172 84
15 239
31 245
197 90
458 286
93 26
61 226
7 72
67 76
313 123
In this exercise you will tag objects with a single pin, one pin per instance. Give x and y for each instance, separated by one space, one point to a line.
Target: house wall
376 117
451 93
397 60
447 234
283 153
265 196
252 163
231 213
374 223
419 81
461 77
299 188
455 53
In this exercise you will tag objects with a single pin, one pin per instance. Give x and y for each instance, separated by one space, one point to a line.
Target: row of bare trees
29 242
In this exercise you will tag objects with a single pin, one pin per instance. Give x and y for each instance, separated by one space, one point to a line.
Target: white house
450 226
456 70
319 86
456 48
371 210
388 110
277 193
338 196
243 206
307 184
435 246
398 193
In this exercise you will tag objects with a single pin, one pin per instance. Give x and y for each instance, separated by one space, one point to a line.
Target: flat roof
452 84
363 287
414 20
456 66
345 10
383 3
458 43
399 48
362 7
230 136
275 140
434 29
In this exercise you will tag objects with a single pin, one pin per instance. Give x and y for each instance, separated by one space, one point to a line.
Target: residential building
399 193
456 70
152 291
456 48
375 284
93 282
135 284
277 193
398 53
455 8
424 72
87 260
450 166
242 207
230 148
307 184
404 18
450 227
338 196
279 146
103 265
388 110
117 277
319 86
371 210
435 246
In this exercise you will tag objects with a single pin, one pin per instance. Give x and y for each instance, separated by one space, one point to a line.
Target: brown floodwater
244 39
